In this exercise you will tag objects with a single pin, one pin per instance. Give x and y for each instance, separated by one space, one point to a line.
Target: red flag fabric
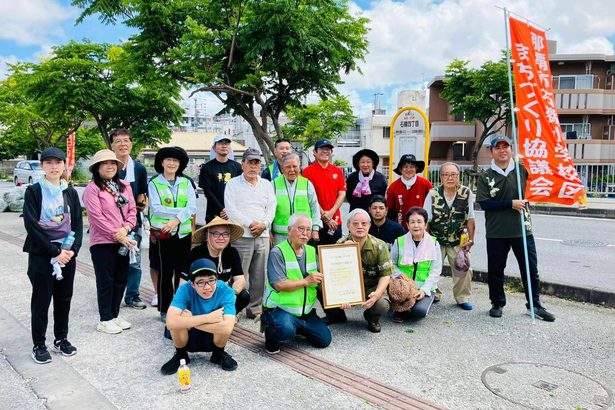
70 154
552 175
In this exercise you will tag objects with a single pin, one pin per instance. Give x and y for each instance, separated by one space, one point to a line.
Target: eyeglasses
218 235
303 229
446 176
122 141
202 283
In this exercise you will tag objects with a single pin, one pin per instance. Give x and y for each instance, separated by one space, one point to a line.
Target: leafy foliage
324 120
83 84
479 94
256 56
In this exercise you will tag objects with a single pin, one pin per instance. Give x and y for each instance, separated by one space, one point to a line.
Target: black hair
119 131
419 211
378 198
281 140
100 182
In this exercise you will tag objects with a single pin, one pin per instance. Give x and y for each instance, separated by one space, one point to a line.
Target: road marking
549 239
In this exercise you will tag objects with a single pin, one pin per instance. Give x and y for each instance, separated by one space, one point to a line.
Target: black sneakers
542 313
64 347
272 347
40 354
172 365
495 311
225 361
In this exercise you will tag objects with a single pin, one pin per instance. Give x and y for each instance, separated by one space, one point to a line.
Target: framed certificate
340 265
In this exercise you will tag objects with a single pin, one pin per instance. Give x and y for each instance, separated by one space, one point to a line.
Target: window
386 132
576 82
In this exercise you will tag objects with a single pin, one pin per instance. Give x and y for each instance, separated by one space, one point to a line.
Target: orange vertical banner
552 174
70 154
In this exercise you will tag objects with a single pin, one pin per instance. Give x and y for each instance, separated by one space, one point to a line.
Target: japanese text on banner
552 175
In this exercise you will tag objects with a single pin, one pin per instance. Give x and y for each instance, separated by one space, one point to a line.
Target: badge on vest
167 201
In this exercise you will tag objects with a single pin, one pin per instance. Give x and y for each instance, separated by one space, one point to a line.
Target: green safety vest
447 223
284 208
419 272
166 199
299 301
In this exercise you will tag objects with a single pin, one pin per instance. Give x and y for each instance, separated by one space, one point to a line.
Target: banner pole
517 171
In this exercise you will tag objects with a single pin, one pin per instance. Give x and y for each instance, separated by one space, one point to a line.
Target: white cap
182 362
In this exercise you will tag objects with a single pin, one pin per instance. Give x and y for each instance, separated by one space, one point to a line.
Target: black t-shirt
231 262
388 232
213 178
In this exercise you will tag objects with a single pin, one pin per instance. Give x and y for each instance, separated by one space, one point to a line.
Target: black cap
202 267
53 152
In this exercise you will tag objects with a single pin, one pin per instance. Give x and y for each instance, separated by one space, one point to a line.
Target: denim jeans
134 276
281 326
134 280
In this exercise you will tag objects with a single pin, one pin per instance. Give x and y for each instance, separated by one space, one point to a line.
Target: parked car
27 172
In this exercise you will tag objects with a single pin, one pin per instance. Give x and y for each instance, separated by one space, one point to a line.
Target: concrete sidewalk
454 359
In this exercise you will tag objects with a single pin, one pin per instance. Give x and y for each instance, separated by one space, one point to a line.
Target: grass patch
514 285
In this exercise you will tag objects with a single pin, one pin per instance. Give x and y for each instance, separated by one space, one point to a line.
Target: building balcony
591 151
452 131
596 101
576 82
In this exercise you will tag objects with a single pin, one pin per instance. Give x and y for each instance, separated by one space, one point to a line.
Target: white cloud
34 22
416 39
4 68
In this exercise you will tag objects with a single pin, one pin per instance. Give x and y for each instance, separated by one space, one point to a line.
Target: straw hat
236 230
105 155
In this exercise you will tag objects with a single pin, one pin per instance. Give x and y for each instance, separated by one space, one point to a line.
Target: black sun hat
171 152
409 159
371 154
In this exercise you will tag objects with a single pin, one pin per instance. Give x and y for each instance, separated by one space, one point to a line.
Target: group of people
257 248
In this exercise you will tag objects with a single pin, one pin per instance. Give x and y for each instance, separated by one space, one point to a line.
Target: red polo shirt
327 181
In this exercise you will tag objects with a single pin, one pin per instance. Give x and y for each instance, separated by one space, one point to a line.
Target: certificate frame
342 272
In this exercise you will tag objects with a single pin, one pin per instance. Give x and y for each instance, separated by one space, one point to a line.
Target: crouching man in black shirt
212 242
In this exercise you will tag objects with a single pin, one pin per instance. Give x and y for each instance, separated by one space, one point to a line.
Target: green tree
256 56
28 126
479 94
94 82
326 119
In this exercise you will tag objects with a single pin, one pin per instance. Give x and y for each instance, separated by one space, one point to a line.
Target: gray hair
294 218
450 164
355 212
288 157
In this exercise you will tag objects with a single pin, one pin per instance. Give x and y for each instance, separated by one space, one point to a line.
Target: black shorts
198 341
154 257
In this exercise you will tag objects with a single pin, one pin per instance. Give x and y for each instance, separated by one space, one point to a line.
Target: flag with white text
542 145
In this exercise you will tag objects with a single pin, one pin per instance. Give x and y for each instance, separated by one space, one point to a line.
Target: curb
590 212
576 293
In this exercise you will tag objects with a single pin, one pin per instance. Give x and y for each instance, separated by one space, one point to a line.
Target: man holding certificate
377 269
290 290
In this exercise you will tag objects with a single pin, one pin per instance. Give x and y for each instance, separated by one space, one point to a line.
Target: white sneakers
109 326
113 326
124 324
155 300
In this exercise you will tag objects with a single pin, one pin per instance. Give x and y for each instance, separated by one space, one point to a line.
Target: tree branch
222 88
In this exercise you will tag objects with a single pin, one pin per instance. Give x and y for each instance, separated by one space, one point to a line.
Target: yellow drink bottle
464 237
183 374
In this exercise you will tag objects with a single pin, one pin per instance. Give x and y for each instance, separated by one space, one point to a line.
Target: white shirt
245 202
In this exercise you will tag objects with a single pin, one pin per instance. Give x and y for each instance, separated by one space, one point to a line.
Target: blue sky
410 41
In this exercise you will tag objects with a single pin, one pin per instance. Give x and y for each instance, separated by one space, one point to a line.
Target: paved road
571 250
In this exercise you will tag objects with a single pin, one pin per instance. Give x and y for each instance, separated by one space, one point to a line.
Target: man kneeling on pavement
290 290
377 269
201 317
